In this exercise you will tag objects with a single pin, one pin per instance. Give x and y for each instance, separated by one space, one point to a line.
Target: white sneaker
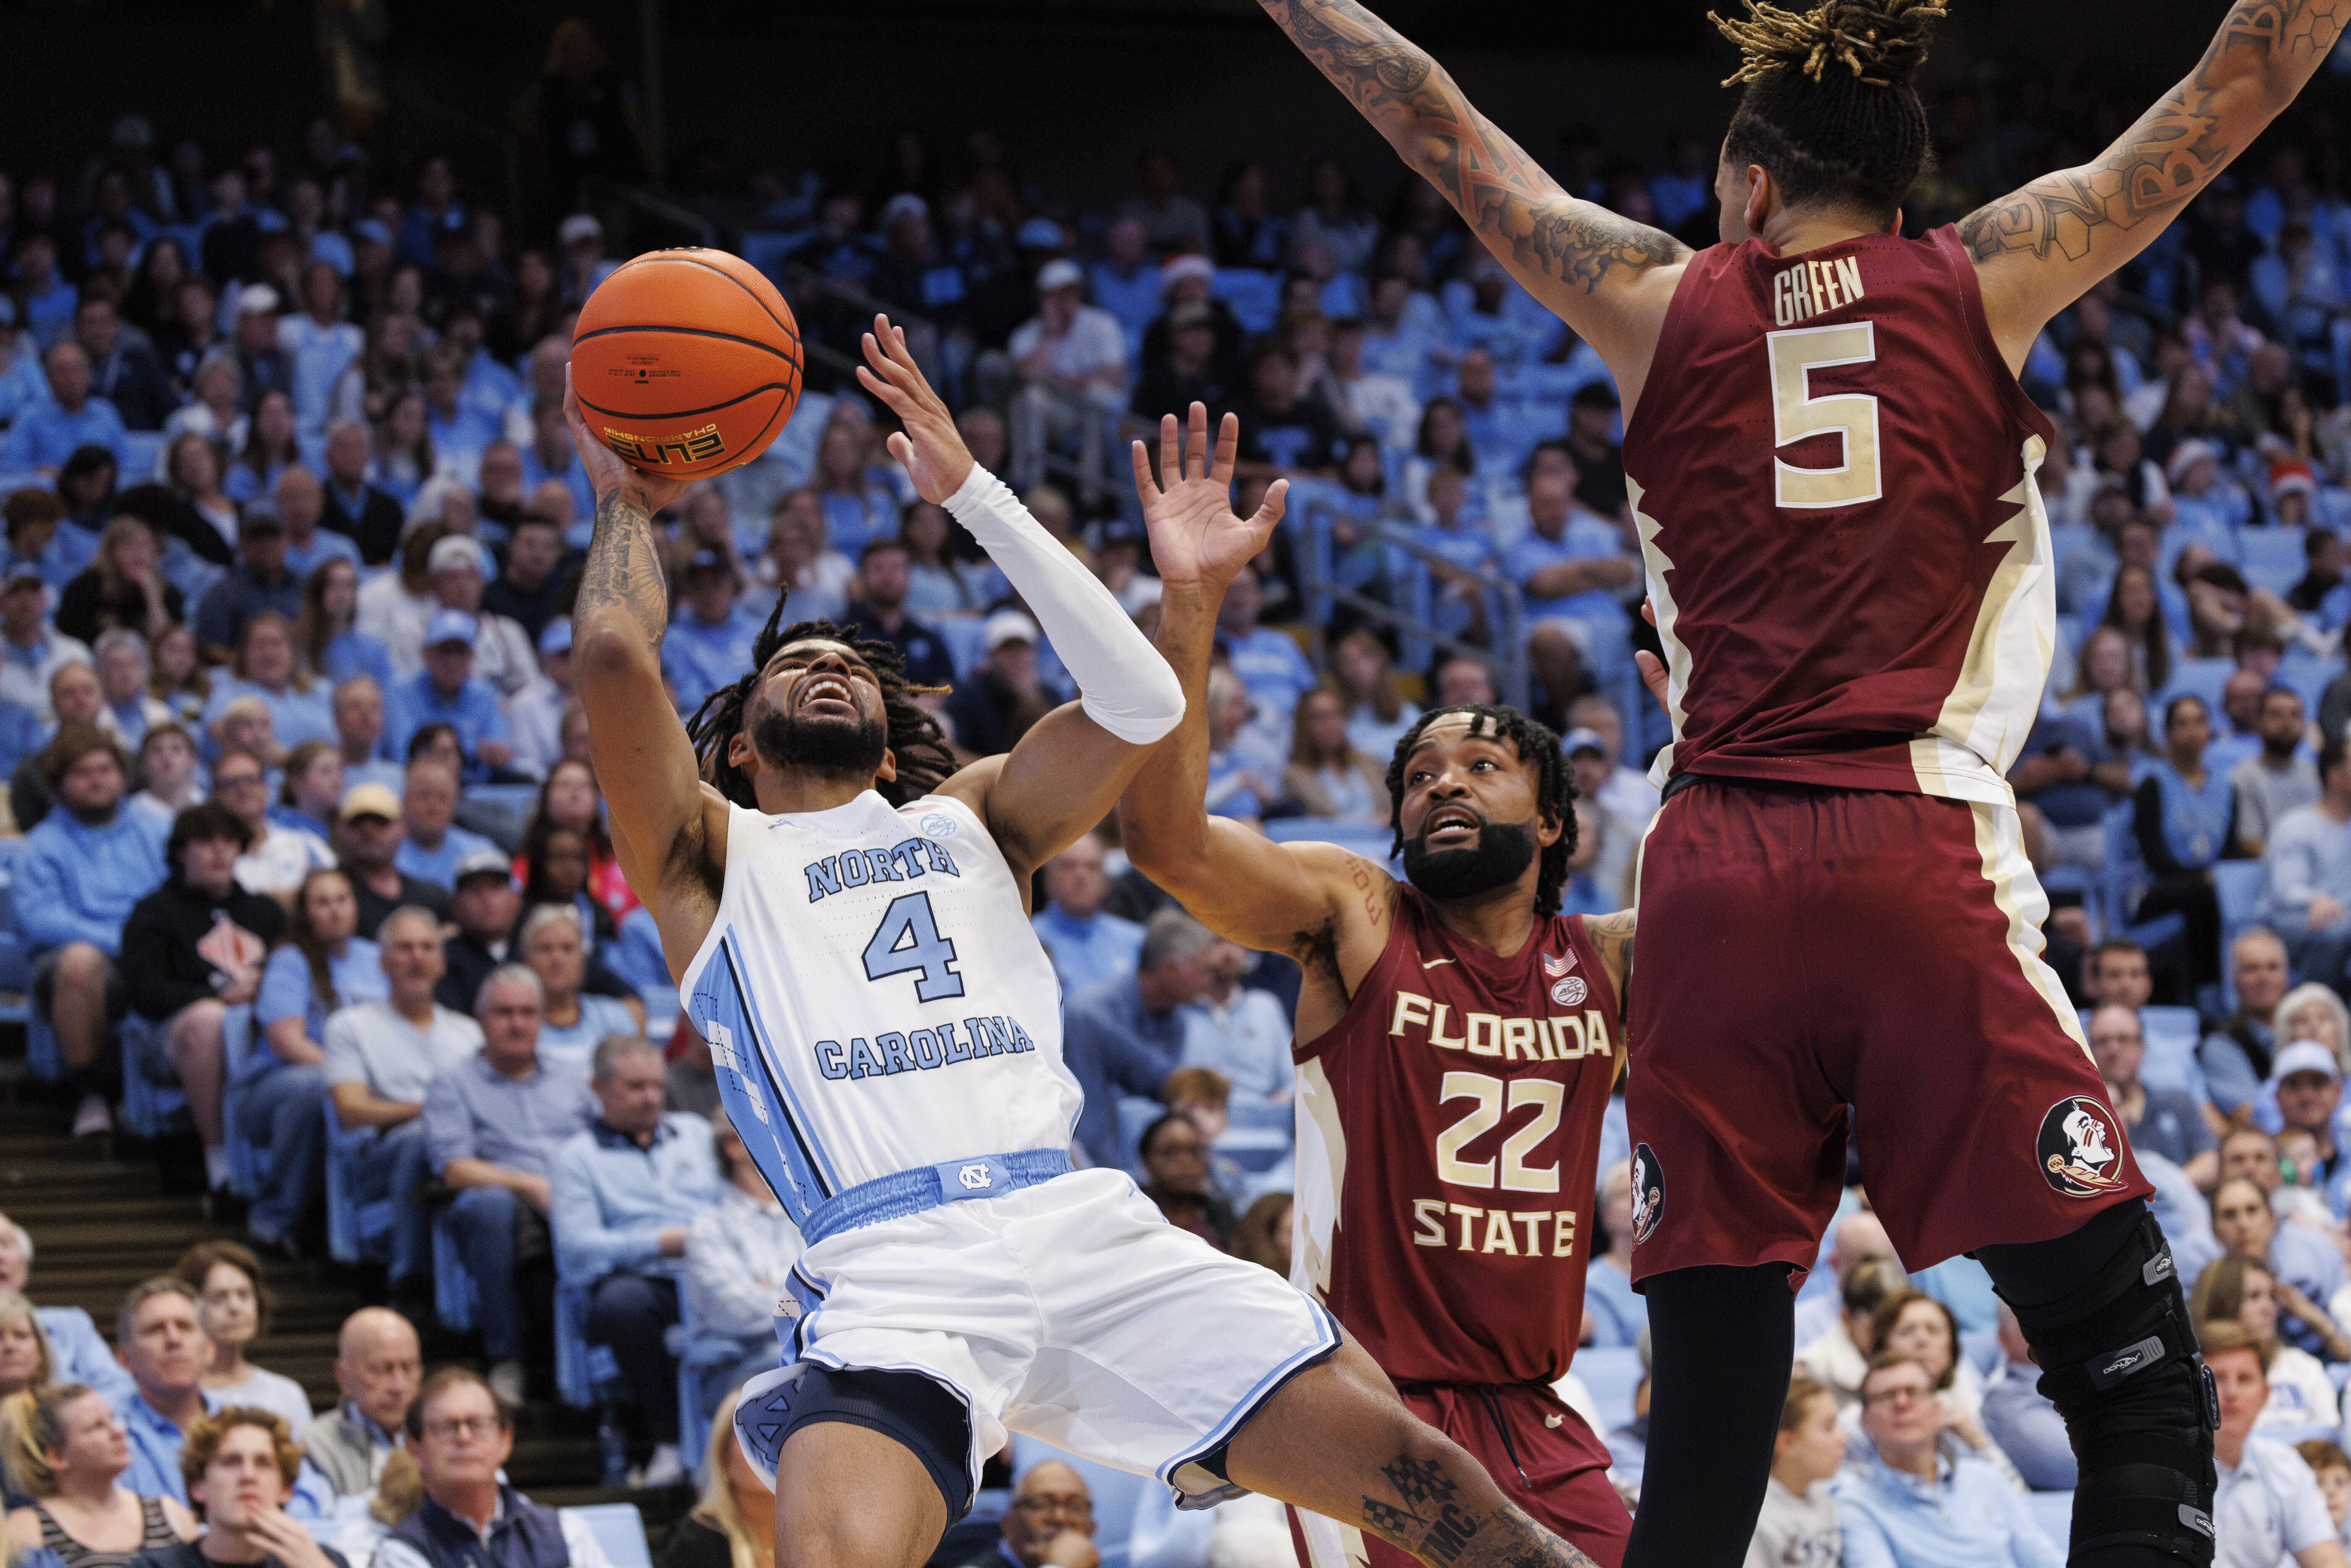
666 1468
505 1381
91 1117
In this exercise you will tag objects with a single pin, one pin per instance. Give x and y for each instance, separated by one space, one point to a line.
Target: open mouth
826 694
1448 826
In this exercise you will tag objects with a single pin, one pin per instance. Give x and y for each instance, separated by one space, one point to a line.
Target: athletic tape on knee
1124 685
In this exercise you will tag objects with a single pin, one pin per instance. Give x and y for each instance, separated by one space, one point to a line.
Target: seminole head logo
2078 1150
1648 1192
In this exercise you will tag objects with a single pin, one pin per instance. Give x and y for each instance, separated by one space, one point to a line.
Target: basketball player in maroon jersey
1830 464
1455 1041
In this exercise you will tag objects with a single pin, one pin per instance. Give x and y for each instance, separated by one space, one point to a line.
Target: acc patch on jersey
2078 1151
938 825
1648 1192
1569 992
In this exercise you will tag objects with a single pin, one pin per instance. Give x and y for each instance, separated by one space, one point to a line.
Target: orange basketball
687 362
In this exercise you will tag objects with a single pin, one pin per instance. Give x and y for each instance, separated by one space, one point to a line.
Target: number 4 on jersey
908 940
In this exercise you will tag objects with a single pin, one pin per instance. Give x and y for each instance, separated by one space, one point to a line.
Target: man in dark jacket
192 950
484 910
354 507
460 1433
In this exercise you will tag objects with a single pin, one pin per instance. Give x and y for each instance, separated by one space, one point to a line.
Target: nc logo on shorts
938 825
2078 1149
1569 992
1648 1192
975 1177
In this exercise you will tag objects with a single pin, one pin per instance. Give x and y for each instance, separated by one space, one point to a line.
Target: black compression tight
1720 1340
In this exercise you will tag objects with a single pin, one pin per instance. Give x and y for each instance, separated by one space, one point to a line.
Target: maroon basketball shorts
1805 949
1540 1452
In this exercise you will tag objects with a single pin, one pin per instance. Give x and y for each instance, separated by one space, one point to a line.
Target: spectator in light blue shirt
1913 1506
1086 945
47 433
491 1126
160 1336
709 643
624 1191
460 433
76 1351
1126 1036
21 384
447 691
433 846
1266 661
1571 566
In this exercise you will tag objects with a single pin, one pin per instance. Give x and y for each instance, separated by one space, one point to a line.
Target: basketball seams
792 359
751 448
691 261
787 388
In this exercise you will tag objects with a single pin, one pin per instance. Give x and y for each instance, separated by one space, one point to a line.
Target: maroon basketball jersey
1831 470
1447 1127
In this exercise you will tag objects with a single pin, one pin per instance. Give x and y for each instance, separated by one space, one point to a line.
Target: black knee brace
2120 1361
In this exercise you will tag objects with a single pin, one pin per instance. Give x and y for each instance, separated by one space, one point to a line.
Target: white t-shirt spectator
2301 1394
1796 1531
371 1044
1093 343
2268 1508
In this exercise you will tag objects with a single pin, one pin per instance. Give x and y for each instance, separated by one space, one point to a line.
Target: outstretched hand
930 447
607 471
1196 538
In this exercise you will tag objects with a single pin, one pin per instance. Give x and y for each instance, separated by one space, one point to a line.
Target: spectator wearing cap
624 1190
73 417
2308 865
537 716
266 366
358 735
77 878
2206 508
1072 358
1191 280
528 587
996 705
356 507
369 832
259 579
483 910
1625 791
503 659
884 575
1087 944
381 1057
30 652
433 845
2309 1091
194 948
447 691
584 261
710 641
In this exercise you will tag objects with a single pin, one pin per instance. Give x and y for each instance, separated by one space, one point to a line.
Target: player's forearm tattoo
2175 149
1515 207
623 569
1427 1519
1611 938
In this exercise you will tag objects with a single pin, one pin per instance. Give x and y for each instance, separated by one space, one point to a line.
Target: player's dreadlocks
1829 109
920 748
1554 784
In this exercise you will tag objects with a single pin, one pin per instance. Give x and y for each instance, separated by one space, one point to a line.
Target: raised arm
1299 899
668 828
1605 276
1068 770
2039 249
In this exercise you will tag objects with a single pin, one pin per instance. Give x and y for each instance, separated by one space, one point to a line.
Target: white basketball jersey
875 999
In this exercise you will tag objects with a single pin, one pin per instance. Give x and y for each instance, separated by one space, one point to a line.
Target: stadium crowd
308 839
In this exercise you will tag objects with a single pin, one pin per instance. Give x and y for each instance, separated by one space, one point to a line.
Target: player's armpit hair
915 739
1554 784
1881 42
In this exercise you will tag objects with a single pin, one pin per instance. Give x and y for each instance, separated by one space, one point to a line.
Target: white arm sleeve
1124 685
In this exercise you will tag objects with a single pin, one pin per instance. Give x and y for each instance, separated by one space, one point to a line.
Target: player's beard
1499 858
833 746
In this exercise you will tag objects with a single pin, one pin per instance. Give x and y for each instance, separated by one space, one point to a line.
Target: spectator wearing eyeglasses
1050 1523
1914 1506
461 1433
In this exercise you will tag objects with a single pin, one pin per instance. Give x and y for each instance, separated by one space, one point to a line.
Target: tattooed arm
1605 276
2039 249
1611 938
668 828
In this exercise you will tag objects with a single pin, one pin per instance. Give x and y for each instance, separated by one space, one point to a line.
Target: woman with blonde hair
264 666
733 1524
2243 1292
26 1359
66 1450
1364 675
122 586
178 679
1326 774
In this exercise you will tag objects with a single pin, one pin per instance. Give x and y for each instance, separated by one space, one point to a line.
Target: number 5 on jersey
908 941
1796 415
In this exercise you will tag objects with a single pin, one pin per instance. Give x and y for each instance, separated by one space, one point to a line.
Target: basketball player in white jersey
849 925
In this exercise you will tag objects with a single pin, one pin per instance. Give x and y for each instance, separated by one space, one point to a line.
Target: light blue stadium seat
149 1109
618 1528
351 1224
2239 886
141 450
1135 1114
1612 1374
2270 558
967 640
2054 1512
1116 1493
13 480
582 1369
2305 673
661 1010
1369 839
248 1163
1253 297
2201 678
455 1299
2172 1036
500 813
